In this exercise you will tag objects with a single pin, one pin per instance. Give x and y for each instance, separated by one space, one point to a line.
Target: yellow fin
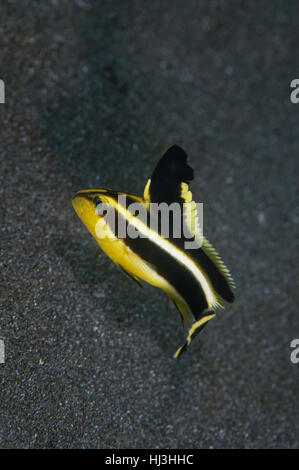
191 216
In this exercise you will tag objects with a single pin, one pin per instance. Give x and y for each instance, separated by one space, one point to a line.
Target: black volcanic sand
95 93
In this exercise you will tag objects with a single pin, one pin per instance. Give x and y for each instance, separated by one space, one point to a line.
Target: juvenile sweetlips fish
129 229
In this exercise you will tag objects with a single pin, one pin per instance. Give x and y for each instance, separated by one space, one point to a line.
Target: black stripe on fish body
172 270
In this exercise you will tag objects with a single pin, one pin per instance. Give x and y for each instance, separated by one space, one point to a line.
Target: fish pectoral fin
183 311
131 276
195 328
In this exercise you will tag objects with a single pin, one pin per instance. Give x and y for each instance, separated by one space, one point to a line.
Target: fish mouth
81 203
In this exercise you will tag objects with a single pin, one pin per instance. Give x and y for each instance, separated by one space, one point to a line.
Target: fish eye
100 206
97 201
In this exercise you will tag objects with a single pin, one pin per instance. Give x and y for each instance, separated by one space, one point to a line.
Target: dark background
96 91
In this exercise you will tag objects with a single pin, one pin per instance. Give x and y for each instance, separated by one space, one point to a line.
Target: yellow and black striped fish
196 279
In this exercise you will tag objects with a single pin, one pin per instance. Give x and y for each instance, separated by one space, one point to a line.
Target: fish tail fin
195 328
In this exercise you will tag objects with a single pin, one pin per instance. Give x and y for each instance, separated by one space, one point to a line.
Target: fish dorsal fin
170 172
191 215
